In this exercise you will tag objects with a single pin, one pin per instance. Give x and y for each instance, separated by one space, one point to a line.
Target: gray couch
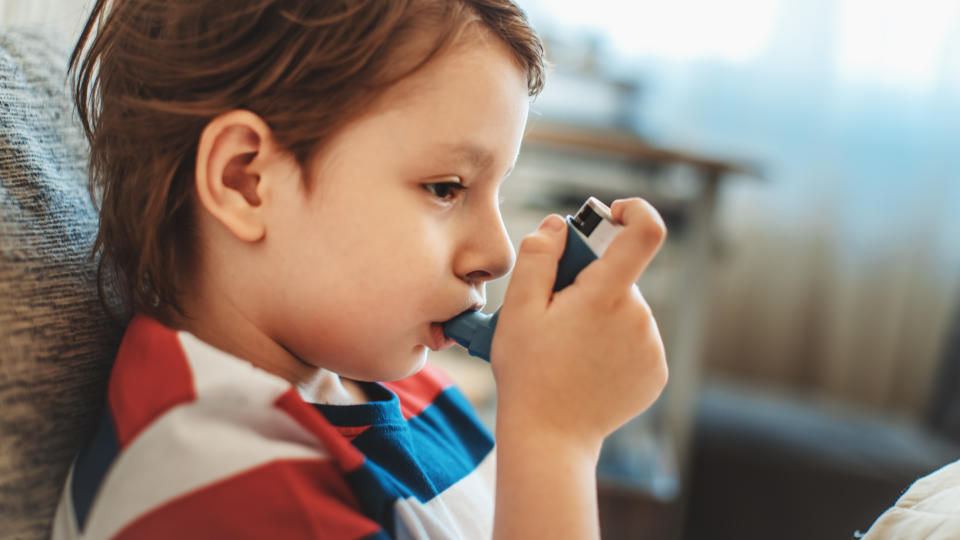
56 342
767 466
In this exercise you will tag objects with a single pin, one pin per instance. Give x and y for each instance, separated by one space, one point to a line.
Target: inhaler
589 232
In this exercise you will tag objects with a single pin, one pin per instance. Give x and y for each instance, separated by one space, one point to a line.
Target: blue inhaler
589 232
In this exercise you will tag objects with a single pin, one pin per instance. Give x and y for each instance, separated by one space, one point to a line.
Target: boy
295 195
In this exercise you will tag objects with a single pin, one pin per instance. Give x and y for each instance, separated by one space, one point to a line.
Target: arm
546 485
571 367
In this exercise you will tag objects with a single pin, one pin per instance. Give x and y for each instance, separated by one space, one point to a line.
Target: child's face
382 247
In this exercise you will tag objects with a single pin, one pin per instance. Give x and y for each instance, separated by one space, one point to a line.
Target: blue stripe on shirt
435 450
91 467
420 457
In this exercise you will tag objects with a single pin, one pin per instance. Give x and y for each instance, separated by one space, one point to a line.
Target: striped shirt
196 443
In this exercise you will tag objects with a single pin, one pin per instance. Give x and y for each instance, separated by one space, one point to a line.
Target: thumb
536 269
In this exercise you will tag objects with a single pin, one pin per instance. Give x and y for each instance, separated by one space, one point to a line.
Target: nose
486 252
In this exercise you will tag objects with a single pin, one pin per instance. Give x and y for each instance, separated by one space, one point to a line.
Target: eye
446 191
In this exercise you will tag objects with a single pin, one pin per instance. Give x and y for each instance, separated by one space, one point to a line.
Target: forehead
467 105
475 62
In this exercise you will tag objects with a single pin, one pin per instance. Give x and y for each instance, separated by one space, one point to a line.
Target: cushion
56 341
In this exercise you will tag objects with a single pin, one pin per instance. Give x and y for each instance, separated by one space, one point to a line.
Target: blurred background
806 157
815 363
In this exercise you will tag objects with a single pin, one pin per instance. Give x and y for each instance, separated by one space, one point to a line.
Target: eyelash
454 187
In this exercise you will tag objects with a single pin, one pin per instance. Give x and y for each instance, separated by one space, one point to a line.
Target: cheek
406 250
393 262
375 275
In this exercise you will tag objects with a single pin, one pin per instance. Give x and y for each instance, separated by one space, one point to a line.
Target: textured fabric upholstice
56 342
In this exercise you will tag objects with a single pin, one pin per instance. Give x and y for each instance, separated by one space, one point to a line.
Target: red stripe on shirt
150 376
418 391
284 499
345 454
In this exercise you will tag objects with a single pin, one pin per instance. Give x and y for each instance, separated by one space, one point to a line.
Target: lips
438 341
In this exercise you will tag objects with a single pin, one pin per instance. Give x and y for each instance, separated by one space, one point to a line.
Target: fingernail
552 223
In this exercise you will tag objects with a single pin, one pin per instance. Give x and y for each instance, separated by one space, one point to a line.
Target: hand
577 364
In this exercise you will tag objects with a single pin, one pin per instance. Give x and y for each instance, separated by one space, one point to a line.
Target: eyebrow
474 155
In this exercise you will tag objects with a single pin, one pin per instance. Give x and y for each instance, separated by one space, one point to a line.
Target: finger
536 269
633 248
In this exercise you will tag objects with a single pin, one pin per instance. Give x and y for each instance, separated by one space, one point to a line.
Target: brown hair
149 75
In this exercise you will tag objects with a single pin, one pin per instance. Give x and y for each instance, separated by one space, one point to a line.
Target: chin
417 360
397 368
410 365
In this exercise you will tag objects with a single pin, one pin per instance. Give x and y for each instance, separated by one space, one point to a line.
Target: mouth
438 340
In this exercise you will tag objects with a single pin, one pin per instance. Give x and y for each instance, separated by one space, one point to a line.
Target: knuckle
638 304
656 230
653 228
627 303
648 236
646 221
654 361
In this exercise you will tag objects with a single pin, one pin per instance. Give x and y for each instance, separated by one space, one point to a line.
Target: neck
216 319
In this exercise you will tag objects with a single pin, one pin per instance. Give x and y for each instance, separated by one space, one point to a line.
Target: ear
232 155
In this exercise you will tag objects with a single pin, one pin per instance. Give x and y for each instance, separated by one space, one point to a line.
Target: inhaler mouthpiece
474 331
